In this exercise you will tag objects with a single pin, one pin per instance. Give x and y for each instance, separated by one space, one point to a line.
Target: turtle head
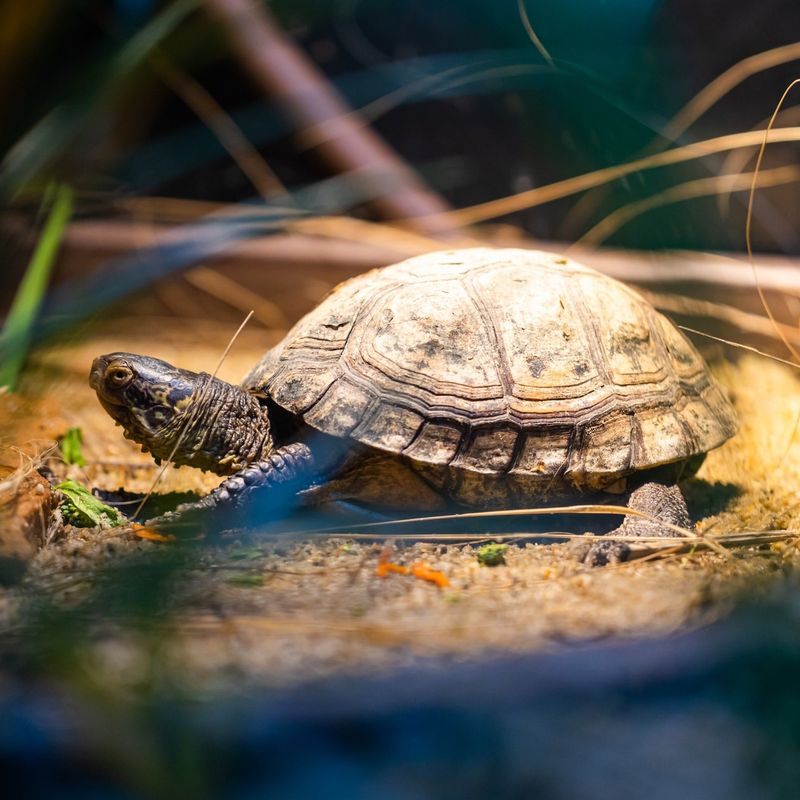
187 417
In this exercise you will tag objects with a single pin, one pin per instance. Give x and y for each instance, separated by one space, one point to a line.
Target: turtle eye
119 376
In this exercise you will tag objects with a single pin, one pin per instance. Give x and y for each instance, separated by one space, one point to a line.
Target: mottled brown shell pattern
500 361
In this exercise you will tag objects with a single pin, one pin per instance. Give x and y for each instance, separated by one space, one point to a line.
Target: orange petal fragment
424 573
148 533
384 568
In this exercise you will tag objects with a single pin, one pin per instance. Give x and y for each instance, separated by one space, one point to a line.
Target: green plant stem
16 334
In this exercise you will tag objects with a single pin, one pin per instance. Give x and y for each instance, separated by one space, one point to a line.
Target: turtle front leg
664 503
289 468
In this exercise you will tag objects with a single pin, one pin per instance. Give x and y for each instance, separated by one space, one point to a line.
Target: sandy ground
272 613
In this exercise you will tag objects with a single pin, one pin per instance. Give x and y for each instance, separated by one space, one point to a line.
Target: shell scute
607 446
630 352
435 444
389 427
536 334
489 450
339 411
429 341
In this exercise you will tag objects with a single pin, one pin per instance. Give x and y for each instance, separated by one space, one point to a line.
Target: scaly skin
288 466
195 420
216 426
200 421
661 502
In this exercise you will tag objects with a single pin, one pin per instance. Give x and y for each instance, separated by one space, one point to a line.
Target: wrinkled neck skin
221 429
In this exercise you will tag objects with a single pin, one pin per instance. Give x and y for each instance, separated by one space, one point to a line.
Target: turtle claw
600 554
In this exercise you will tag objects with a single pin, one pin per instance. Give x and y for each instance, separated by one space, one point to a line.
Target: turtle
478 378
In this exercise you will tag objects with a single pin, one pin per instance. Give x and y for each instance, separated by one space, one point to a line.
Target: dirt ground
275 613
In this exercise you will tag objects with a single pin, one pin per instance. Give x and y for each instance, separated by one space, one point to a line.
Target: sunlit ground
254 611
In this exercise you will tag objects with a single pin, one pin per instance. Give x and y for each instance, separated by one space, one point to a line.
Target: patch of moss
492 555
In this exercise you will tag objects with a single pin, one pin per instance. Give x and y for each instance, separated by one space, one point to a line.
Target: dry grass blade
234 294
740 346
537 42
732 540
190 415
366 231
723 84
345 246
745 321
219 122
748 223
736 161
700 103
27 464
655 543
690 190
555 191
582 509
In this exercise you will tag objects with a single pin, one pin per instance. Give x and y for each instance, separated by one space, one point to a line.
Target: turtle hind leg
665 507
261 490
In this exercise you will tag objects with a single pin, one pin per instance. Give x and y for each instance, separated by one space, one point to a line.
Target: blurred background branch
322 117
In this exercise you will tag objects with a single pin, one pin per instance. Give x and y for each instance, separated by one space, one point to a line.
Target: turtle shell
499 361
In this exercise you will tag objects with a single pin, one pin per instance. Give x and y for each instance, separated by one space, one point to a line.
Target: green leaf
16 333
83 509
492 555
71 447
